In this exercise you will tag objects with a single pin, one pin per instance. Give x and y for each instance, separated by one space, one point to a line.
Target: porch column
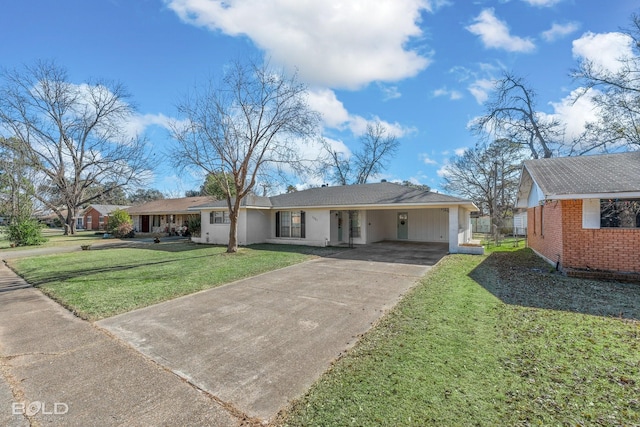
454 238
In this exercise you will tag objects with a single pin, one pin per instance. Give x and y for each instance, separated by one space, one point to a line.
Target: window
155 222
219 217
354 224
290 224
620 213
100 219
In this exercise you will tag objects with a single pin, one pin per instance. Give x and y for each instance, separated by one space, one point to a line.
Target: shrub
194 225
25 232
124 230
120 223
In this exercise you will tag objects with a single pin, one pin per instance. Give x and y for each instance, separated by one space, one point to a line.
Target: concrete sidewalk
54 363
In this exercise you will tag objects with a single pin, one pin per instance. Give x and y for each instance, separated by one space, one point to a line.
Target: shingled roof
384 193
566 177
169 206
105 210
345 196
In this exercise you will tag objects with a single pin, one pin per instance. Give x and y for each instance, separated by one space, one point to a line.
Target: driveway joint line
228 407
16 390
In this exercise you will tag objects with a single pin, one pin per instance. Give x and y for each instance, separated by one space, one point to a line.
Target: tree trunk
69 223
232 247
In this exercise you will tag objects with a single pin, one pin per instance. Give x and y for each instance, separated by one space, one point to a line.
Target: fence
511 226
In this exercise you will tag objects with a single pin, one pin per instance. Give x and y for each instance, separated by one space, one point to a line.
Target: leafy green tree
145 195
25 232
16 188
120 223
422 187
218 185
107 194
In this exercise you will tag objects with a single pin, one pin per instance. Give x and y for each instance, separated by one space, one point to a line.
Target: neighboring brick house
96 217
584 212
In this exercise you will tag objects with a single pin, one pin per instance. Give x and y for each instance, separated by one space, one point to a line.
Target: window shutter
302 224
278 224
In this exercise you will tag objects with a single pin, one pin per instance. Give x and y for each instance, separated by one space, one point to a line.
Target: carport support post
454 238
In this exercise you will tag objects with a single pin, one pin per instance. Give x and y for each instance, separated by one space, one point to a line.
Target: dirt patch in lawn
522 278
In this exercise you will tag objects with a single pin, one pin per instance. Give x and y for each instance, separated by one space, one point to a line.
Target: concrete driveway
256 344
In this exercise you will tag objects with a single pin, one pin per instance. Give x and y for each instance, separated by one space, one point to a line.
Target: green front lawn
490 340
56 238
103 282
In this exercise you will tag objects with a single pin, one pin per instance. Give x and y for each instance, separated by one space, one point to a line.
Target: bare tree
511 114
251 123
617 99
71 135
372 157
488 175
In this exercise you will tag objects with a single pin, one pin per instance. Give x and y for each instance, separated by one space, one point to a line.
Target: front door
403 225
145 224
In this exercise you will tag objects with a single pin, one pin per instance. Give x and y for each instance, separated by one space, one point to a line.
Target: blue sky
422 67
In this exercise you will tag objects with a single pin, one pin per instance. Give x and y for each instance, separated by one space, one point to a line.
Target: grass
104 282
466 347
56 239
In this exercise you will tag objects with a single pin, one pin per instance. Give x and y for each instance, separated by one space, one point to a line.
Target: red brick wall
612 249
544 230
95 220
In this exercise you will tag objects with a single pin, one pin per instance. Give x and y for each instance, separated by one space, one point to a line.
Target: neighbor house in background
52 220
336 215
96 217
164 215
584 212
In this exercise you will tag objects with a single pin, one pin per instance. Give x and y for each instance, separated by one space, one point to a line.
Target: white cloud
389 92
337 146
424 157
480 89
460 151
138 123
494 33
605 50
542 3
443 171
335 116
444 92
575 114
325 101
331 43
358 126
558 31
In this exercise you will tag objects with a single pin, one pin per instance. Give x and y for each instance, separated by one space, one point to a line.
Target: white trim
591 213
625 195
